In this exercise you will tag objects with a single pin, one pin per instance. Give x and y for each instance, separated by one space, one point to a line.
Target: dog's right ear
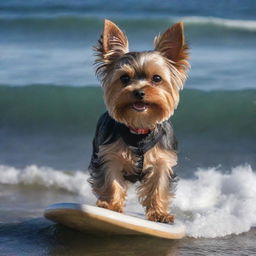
171 44
112 44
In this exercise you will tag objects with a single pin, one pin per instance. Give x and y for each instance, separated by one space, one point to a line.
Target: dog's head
141 89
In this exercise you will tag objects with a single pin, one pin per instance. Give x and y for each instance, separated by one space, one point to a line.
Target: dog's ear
112 44
171 44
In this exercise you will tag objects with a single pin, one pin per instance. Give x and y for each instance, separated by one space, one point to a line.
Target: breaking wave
84 21
42 107
211 204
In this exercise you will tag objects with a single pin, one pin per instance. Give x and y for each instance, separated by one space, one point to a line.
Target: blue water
51 42
48 91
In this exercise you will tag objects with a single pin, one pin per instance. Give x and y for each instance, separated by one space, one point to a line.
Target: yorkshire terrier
134 139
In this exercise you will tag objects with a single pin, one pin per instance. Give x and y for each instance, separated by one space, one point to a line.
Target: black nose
139 94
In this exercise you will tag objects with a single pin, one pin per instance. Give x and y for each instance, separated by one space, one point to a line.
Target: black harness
139 144
108 131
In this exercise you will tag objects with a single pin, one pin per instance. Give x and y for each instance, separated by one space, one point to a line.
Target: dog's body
134 140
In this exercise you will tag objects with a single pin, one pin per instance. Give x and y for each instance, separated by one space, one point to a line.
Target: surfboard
92 219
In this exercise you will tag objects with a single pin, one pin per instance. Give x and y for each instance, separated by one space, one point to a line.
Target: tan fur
154 192
162 98
155 189
169 60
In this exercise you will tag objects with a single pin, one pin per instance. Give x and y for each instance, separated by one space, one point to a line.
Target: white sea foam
216 204
249 25
212 204
74 182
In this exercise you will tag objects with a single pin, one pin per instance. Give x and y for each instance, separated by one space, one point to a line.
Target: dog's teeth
139 106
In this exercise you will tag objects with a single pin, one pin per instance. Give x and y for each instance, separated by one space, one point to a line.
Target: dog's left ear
112 44
172 45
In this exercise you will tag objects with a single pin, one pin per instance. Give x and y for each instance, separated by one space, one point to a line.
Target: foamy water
249 25
212 204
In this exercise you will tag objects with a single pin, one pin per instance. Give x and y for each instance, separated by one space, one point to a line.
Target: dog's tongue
140 106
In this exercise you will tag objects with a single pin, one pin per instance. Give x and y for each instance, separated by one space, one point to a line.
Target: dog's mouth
140 106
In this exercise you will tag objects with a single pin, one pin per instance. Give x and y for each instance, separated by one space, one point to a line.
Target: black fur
108 131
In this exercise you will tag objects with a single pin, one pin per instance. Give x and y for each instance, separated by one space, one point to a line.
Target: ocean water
50 100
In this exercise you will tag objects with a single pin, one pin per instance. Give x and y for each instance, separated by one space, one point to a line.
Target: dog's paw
163 218
109 206
102 204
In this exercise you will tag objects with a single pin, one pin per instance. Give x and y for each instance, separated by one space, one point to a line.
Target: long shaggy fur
169 60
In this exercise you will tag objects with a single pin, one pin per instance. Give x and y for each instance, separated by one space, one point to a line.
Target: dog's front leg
155 192
112 193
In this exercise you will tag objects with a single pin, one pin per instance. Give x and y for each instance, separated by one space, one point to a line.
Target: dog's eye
125 79
156 78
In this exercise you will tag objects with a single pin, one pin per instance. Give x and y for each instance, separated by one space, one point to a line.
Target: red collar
139 130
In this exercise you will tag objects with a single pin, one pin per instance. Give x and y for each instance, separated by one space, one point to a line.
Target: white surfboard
92 219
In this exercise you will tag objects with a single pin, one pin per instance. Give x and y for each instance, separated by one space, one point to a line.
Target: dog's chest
121 157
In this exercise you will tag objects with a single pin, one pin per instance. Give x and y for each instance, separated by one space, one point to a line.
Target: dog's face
141 89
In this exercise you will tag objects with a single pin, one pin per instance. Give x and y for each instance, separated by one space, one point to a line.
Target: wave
218 204
249 25
74 182
211 204
65 108
84 21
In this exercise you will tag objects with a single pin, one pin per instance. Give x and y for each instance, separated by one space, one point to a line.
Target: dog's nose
139 94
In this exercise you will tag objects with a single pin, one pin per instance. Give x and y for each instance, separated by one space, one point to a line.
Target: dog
134 139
